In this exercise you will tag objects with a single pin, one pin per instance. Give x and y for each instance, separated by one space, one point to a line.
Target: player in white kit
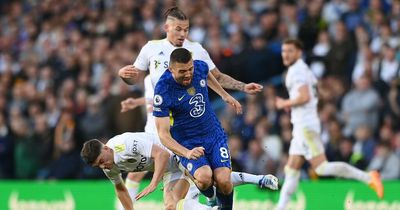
306 144
137 152
154 56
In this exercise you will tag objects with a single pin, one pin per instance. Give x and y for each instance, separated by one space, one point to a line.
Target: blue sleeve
202 68
161 100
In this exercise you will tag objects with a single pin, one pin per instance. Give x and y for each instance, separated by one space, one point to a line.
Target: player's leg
193 192
201 174
263 181
221 165
340 169
173 192
316 155
292 176
132 183
224 187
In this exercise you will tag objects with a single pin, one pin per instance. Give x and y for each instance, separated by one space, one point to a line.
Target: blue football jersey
191 116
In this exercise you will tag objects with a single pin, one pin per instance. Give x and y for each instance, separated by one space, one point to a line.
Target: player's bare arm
123 196
213 84
228 82
161 158
302 98
163 128
130 74
131 103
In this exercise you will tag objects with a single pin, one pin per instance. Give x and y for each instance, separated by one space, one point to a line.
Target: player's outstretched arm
123 196
129 74
161 158
132 103
163 128
213 84
228 82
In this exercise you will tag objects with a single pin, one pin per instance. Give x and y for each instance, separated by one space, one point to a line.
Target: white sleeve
298 79
204 56
114 175
148 88
142 61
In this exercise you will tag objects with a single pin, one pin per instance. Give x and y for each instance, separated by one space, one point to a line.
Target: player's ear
165 27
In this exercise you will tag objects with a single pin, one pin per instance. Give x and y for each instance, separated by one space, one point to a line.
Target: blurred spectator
237 154
319 51
360 106
386 162
394 101
311 24
354 16
94 113
363 148
26 152
387 70
6 150
341 56
257 160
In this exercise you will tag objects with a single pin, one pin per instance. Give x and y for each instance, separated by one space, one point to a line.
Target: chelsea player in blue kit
188 126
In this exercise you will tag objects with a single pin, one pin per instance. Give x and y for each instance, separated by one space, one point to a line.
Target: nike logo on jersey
180 99
223 161
161 53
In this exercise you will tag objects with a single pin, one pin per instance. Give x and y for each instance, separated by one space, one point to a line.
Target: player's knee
204 182
225 187
204 178
170 207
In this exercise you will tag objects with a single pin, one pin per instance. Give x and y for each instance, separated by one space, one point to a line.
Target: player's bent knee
204 178
225 187
204 183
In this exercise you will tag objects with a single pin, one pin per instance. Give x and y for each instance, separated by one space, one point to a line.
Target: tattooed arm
228 82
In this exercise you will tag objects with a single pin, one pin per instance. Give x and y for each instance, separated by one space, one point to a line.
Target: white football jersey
150 126
300 74
132 153
154 56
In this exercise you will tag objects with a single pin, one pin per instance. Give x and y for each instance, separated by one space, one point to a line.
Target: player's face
182 72
290 54
105 160
177 31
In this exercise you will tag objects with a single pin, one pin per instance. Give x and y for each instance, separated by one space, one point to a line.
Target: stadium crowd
59 85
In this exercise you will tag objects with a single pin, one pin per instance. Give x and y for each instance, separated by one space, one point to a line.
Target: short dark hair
175 12
91 150
297 43
180 55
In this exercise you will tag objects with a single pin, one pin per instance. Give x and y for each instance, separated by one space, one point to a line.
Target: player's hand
129 103
195 153
233 102
128 72
280 103
252 88
149 189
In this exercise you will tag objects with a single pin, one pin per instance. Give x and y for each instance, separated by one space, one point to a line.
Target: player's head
96 154
292 50
181 66
176 26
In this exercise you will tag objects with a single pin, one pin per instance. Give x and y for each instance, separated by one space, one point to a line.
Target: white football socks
239 178
341 169
292 177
